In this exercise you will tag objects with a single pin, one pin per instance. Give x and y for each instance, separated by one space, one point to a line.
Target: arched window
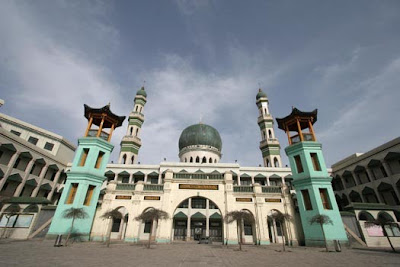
197 159
124 159
185 159
191 159
136 108
267 163
137 131
204 160
276 162
210 160
131 130
264 135
132 159
270 134
215 160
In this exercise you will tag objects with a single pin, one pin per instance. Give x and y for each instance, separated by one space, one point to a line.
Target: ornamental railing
243 188
271 189
125 187
198 176
153 187
93 133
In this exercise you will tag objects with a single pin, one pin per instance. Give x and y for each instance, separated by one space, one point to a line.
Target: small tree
73 213
111 215
11 211
152 215
239 216
382 222
281 218
322 220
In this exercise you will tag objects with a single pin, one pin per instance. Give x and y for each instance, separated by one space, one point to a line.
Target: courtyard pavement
42 253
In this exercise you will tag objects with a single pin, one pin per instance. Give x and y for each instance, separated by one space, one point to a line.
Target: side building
368 186
33 164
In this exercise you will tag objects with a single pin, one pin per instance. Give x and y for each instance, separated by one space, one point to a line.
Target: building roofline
37 129
356 157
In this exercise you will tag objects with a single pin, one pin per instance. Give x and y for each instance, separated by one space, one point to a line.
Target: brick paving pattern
42 253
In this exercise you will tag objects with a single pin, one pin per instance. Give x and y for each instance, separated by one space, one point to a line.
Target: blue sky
206 59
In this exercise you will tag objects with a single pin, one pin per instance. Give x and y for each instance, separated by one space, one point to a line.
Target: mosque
198 191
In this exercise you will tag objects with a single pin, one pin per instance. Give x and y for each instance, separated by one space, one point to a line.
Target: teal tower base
314 193
82 187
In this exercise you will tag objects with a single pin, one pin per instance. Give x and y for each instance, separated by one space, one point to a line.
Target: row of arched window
136 132
267 134
269 164
203 160
124 160
138 109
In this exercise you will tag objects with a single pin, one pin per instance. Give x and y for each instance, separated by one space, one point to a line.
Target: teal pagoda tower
86 176
311 179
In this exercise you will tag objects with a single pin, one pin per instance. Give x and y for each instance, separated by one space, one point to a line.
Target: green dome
260 94
200 134
142 92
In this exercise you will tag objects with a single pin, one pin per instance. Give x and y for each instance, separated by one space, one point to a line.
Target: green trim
139 173
231 242
259 176
216 215
245 175
265 242
135 117
268 152
163 241
152 174
131 239
130 149
136 122
180 215
198 215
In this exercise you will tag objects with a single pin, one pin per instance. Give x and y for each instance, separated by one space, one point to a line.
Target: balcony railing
93 133
306 136
271 189
198 176
130 187
243 188
153 187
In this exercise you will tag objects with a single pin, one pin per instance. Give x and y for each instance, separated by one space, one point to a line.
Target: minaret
269 145
86 176
131 142
311 179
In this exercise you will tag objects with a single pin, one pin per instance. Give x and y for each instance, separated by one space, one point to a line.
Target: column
130 178
26 175
145 178
10 166
41 177
355 178
252 180
370 173
55 182
188 219
207 218
268 184
387 168
160 178
275 233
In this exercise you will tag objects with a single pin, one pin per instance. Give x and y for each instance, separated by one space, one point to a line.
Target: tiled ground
42 253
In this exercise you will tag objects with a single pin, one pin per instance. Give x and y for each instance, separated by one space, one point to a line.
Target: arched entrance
118 227
277 226
195 218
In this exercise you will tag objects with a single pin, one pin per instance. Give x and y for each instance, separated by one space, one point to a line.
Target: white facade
218 186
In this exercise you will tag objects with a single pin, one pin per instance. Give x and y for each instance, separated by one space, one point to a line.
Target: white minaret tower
269 145
131 142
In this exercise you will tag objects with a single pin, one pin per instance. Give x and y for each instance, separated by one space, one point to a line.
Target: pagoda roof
291 119
106 109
